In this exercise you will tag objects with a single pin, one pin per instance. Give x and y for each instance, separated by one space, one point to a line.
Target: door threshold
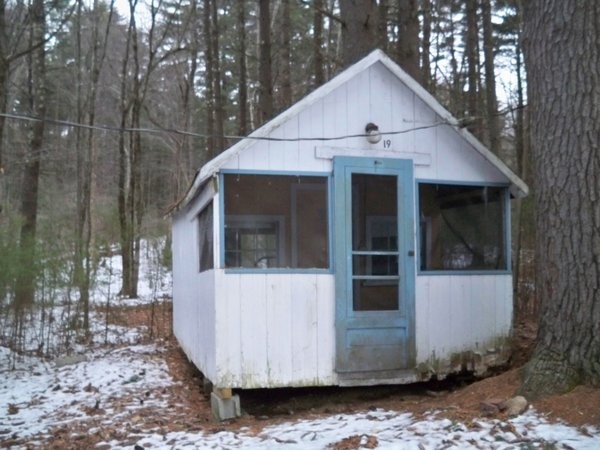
349 379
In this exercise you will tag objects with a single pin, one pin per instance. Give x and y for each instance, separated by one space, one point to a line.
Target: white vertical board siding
193 297
325 295
460 313
274 330
278 312
374 95
381 81
304 331
458 161
334 113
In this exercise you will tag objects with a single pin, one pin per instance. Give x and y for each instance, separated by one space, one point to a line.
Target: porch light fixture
373 134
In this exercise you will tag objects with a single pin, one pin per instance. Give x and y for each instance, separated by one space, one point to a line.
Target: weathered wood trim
419 159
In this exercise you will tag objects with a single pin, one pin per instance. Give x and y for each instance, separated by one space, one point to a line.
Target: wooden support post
224 393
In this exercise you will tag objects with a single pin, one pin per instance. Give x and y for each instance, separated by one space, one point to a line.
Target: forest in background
106 113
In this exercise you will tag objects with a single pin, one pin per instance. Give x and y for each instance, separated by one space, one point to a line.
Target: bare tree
219 112
209 84
85 145
265 70
472 56
407 47
492 122
286 55
243 76
25 287
426 80
136 72
318 59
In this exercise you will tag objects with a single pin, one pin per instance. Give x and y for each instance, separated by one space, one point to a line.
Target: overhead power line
66 123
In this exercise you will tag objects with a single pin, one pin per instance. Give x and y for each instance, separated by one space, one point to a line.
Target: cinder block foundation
225 408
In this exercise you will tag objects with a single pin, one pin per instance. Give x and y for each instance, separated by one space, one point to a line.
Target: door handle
411 253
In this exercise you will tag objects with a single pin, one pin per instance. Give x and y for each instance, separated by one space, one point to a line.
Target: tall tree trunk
359 29
82 195
25 287
184 159
85 151
265 71
563 65
522 170
456 95
209 81
333 42
426 46
318 60
472 55
126 176
407 48
218 102
3 81
382 25
286 51
243 75
490 78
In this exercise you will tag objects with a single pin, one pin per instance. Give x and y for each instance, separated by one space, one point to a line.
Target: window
276 221
462 227
253 241
205 238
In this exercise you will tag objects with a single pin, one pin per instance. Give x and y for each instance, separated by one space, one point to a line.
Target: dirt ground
189 409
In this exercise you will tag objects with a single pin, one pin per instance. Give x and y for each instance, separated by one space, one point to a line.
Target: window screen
462 227
205 238
276 221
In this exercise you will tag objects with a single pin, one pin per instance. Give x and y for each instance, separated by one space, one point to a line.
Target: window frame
329 199
210 229
506 229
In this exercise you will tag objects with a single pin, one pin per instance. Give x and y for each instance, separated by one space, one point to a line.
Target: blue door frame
374 341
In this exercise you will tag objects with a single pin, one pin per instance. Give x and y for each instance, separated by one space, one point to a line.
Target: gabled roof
517 186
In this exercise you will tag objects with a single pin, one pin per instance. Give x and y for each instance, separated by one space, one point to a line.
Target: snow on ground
38 395
386 430
155 279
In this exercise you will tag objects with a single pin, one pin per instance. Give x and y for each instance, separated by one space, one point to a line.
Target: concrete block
225 408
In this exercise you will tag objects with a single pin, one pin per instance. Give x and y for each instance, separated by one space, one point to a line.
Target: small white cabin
360 237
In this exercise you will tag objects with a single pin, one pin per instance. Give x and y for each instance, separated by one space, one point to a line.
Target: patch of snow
40 395
155 280
392 430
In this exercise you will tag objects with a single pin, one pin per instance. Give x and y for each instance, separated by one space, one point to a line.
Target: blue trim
331 222
282 271
290 173
275 270
221 221
461 183
460 273
368 326
507 229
